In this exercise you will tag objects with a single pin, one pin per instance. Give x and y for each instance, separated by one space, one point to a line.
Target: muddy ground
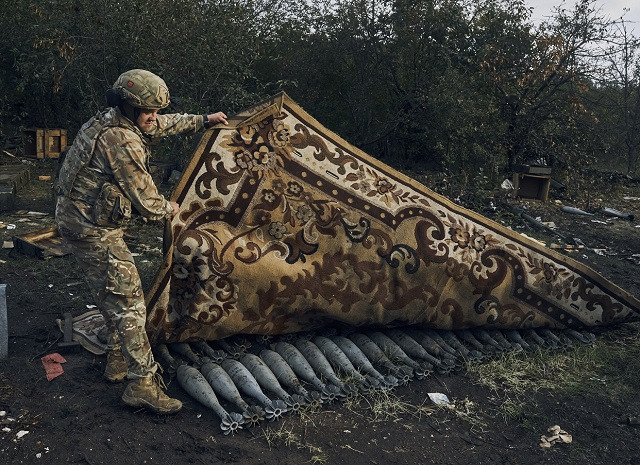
78 418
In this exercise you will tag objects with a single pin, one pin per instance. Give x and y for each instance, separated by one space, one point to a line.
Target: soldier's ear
113 99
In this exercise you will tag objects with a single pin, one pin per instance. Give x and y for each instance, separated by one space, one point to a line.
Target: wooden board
42 243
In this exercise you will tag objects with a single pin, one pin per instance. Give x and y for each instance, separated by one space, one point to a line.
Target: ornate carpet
284 227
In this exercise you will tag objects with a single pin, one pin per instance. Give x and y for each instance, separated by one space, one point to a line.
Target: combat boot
147 392
116 369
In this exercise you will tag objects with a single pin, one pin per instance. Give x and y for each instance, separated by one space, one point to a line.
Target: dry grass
608 368
284 435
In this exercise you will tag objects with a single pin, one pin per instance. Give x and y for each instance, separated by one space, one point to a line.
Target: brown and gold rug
284 226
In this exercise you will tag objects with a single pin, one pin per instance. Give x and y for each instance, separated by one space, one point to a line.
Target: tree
616 100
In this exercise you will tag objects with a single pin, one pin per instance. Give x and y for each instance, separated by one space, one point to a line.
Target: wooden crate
43 143
16 176
531 186
533 169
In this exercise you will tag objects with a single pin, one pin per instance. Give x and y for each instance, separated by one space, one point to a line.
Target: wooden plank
42 243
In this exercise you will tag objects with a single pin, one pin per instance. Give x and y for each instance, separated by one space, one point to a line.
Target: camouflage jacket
111 148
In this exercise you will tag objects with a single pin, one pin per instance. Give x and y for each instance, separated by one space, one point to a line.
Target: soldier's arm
128 166
176 123
181 123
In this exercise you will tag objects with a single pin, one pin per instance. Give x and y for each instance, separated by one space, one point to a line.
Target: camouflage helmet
142 89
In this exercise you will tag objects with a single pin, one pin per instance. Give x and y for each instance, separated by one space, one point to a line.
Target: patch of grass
607 369
382 405
467 411
284 435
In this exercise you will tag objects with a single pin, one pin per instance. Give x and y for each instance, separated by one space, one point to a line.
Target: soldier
103 178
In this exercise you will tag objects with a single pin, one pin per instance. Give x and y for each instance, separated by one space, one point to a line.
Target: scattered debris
9 154
53 365
556 435
635 258
567 247
22 433
538 224
507 185
631 198
438 398
42 243
599 222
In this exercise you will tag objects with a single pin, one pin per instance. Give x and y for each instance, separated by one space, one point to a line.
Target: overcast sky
611 8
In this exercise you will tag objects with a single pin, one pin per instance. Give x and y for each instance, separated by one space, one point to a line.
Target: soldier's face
146 120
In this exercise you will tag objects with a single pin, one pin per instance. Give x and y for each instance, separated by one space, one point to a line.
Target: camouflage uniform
110 150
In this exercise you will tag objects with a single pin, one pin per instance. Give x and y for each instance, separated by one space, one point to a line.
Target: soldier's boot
148 392
116 369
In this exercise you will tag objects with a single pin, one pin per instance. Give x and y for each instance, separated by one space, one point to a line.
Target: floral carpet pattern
285 227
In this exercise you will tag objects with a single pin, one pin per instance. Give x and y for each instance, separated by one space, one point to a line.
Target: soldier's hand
176 208
216 118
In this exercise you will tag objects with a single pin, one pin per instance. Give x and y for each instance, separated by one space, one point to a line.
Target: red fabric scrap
53 365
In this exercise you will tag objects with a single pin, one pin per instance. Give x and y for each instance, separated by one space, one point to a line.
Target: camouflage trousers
111 273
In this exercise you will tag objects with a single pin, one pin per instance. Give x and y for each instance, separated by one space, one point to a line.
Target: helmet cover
142 89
